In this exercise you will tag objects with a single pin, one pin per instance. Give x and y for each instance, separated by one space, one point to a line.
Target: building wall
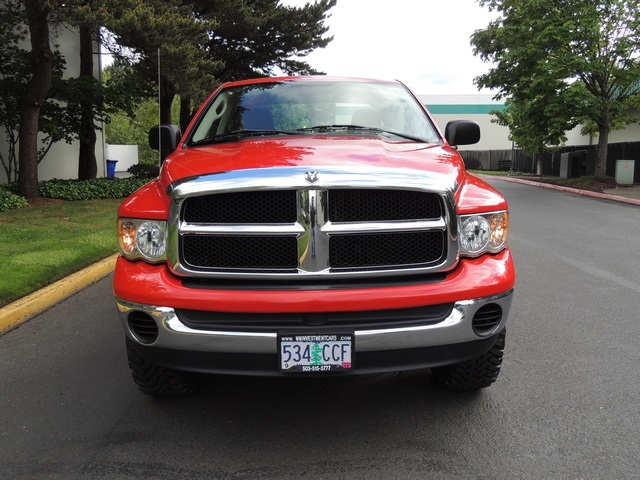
62 159
125 155
631 133
445 108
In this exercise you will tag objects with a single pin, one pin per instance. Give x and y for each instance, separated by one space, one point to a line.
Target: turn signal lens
127 237
499 230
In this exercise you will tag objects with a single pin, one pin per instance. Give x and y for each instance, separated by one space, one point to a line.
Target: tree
130 125
15 65
539 118
256 38
87 164
206 42
169 33
582 55
35 92
59 117
44 102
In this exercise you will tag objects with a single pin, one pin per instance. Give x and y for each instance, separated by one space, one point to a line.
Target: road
566 405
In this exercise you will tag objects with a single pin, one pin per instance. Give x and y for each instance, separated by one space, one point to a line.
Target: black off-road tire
476 373
156 380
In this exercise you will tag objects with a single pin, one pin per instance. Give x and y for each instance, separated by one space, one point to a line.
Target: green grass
42 244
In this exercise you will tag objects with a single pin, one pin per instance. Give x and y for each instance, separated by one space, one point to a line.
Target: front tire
156 380
476 373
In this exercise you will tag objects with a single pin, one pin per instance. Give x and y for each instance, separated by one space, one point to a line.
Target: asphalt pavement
22 310
564 407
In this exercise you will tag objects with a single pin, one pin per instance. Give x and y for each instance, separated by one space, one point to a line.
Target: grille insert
402 250
206 252
382 205
278 206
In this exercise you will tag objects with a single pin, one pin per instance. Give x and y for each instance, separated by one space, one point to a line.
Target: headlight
481 234
143 239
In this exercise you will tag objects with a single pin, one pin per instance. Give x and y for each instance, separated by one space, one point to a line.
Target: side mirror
462 132
164 137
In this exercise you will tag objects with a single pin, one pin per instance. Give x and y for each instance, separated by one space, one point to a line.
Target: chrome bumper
455 329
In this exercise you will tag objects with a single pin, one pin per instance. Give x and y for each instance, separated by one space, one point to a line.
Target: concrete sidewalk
22 310
630 195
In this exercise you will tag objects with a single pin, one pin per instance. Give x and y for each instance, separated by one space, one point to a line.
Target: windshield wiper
238 135
404 135
332 128
351 128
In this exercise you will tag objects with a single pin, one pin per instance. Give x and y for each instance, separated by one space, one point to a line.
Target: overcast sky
423 43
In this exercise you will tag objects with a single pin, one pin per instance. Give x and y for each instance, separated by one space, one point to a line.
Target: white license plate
315 353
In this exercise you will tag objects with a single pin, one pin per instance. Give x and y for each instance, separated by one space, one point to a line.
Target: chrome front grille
295 230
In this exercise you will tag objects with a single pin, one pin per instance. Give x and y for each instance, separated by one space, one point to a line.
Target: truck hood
272 159
312 152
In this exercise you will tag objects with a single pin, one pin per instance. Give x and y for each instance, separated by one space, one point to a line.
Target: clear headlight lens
143 239
481 234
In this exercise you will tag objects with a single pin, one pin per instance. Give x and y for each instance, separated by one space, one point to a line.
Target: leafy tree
14 77
36 96
169 33
581 55
131 126
538 119
14 67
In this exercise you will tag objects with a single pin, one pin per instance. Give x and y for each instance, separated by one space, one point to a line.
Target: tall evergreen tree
255 38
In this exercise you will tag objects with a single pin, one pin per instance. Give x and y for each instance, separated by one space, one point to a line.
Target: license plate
315 353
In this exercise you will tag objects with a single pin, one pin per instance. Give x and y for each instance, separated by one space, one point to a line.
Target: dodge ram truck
311 227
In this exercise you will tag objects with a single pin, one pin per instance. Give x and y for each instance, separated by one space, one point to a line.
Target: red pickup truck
313 226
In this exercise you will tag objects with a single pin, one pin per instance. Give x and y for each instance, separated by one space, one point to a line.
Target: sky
423 43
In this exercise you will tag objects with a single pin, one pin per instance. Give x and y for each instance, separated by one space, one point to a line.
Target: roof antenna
159 114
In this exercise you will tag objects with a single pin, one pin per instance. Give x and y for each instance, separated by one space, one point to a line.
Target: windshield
313 106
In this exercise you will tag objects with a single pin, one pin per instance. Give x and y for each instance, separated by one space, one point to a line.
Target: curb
27 307
586 193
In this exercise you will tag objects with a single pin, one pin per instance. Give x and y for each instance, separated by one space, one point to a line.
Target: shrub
10 201
98 188
144 171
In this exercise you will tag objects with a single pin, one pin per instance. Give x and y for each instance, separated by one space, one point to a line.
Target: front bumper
151 294
451 340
